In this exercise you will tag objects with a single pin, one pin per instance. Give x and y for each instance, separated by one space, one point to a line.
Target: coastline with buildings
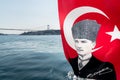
48 31
44 32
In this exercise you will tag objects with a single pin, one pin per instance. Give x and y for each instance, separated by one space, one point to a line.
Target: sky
28 14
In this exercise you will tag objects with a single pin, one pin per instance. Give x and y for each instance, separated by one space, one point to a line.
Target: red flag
107 14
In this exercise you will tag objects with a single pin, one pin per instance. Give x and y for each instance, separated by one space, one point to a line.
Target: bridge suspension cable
46 27
16 29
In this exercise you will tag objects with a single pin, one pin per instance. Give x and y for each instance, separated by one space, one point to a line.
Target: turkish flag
107 14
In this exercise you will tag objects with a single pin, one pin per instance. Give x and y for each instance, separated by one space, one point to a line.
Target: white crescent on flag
72 16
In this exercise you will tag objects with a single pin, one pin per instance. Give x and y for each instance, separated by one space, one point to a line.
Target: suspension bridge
47 27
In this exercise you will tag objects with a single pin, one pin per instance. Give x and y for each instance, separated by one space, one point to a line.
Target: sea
32 57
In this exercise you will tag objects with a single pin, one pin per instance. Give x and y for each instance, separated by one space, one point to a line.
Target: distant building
48 27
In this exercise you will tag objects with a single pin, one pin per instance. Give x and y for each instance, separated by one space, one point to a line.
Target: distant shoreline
45 32
2 34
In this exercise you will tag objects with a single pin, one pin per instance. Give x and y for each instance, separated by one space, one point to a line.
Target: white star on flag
115 34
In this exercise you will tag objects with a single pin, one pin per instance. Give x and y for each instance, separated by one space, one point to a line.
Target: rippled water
32 58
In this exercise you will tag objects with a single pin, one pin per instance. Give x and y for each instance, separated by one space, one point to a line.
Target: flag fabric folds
105 13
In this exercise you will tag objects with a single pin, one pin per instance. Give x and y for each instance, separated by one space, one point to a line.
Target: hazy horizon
28 14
